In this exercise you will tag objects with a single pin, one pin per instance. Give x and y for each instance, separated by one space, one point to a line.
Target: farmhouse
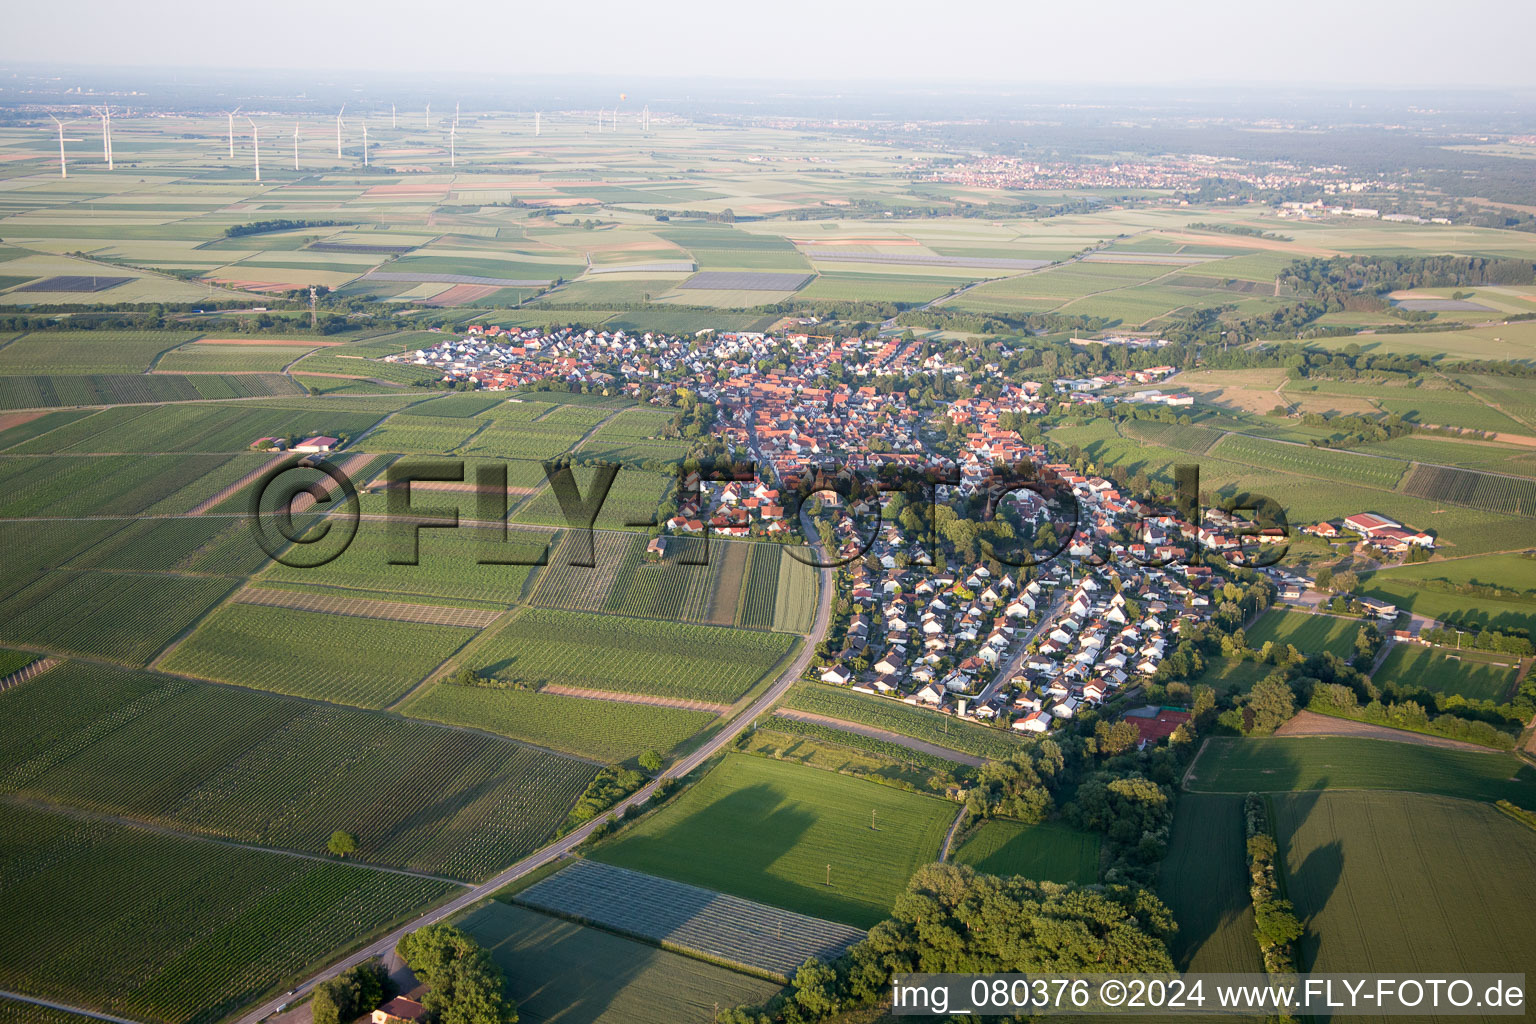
319 443
1153 724
398 1010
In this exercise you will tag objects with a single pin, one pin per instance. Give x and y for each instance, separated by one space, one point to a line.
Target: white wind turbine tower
599 119
538 115
455 113
429 117
453 151
63 168
106 136
343 110
295 145
365 143
256 140
231 115
645 119
391 117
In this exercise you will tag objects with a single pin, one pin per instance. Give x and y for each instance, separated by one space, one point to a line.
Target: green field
767 831
253 767
1308 632
340 658
1231 675
191 930
1204 881
606 730
566 973
894 716
1390 882
668 659
1046 852
1455 609
1274 764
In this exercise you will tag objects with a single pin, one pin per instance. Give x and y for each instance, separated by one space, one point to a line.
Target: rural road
569 842
1010 668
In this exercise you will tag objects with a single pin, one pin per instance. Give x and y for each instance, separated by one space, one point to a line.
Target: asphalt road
569 842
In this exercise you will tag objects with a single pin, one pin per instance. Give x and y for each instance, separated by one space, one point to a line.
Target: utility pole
872 820
312 313
829 876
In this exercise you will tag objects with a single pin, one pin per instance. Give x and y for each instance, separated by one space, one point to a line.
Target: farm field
1362 918
609 731
1489 492
126 617
339 658
253 767
631 502
722 928
39 391
668 659
794 599
1048 852
563 973
1476 675
894 716
68 352
1306 631
448 561
192 930
1231 765
1231 675
211 427
1204 881
766 831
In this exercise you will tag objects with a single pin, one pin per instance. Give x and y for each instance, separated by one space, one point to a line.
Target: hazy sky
1113 42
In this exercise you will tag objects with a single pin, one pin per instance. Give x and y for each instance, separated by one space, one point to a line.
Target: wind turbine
295 145
256 139
455 113
645 119
343 110
599 119
106 136
391 117
63 168
429 117
538 115
365 143
453 151
231 115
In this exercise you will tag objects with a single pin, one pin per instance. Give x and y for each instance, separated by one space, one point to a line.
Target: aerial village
1022 648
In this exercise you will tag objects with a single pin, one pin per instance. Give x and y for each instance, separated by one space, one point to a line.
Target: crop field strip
759 591
1204 881
396 611
449 563
1323 463
557 970
191 931
667 659
1489 492
894 716
720 926
365 662
247 766
39 391
607 731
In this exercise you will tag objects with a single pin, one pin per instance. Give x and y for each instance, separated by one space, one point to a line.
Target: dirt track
1310 723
